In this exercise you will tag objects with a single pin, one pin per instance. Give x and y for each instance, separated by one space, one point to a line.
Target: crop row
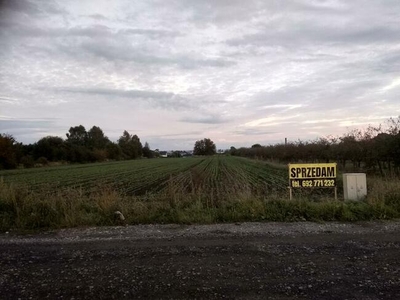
125 176
225 175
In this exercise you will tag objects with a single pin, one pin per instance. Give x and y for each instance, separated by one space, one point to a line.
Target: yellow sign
312 175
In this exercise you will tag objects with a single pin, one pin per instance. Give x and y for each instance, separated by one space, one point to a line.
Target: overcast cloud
172 72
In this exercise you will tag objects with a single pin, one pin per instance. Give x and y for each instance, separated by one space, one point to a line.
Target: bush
27 161
42 161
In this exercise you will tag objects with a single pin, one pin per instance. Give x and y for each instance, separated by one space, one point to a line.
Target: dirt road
228 261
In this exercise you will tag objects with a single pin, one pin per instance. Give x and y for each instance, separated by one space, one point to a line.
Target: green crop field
217 174
176 190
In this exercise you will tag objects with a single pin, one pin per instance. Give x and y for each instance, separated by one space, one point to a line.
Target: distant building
177 153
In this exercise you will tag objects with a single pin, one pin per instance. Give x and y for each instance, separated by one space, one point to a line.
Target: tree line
80 146
375 149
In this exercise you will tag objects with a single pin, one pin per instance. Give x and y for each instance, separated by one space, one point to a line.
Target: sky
173 72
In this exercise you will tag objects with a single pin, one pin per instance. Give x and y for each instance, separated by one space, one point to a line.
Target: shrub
42 161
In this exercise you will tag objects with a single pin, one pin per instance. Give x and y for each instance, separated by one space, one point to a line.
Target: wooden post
290 184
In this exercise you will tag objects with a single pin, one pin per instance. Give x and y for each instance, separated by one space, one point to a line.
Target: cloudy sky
172 72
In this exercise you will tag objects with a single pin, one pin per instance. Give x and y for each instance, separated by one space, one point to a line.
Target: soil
223 261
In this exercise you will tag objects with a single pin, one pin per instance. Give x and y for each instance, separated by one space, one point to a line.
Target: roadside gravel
170 231
221 261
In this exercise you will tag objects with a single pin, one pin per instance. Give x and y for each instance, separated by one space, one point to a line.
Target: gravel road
223 261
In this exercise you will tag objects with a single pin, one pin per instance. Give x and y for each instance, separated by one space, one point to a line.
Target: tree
232 151
147 152
256 146
77 151
204 147
96 138
175 154
7 152
51 147
113 151
77 135
130 145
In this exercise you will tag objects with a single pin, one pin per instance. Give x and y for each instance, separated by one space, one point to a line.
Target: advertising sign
312 175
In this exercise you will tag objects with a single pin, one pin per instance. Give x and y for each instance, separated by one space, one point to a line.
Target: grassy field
180 190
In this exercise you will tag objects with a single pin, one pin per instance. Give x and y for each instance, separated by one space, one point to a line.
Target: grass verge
24 209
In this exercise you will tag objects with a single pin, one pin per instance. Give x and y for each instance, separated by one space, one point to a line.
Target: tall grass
24 209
